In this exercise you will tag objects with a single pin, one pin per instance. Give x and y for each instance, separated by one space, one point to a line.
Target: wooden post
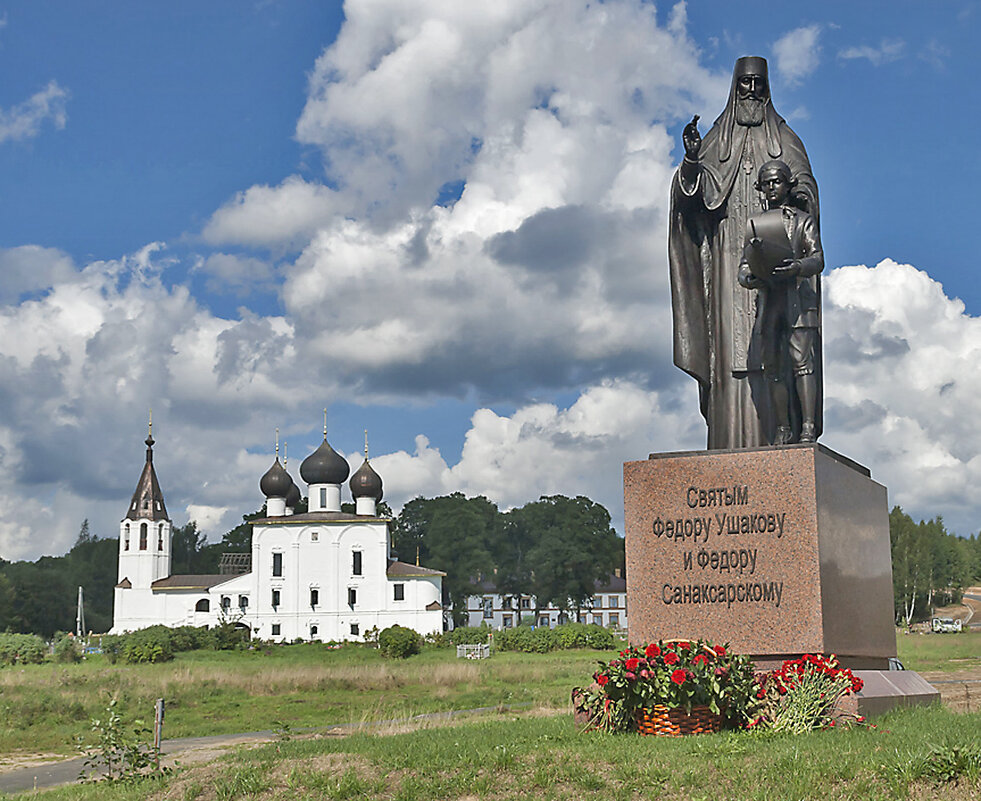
158 724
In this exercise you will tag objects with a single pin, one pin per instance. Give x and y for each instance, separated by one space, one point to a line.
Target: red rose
671 658
720 650
602 680
678 676
630 676
632 663
652 650
700 659
684 646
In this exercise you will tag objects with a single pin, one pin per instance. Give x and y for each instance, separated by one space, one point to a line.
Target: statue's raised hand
692 139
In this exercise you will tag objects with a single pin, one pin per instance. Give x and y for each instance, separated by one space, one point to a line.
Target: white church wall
310 579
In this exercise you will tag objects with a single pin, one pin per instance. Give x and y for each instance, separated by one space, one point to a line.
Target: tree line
553 549
930 566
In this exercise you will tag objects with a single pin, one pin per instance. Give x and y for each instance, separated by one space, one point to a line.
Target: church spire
149 439
148 500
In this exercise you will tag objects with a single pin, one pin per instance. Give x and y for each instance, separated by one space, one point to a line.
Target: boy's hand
787 269
746 278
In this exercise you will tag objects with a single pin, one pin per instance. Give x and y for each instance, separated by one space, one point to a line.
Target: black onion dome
325 466
293 495
276 482
366 483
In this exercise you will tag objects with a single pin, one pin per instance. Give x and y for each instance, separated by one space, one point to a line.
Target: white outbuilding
321 575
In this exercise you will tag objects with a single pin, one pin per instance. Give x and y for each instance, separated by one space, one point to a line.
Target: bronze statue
784 264
717 336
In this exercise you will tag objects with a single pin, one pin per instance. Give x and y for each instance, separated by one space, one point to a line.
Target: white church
321 575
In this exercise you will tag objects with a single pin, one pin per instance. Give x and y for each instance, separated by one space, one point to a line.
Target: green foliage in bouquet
677 674
803 694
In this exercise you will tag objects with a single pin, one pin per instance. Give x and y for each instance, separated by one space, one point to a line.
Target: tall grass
42 707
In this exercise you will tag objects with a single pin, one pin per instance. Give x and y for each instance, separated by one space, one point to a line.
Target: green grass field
524 756
531 751
946 652
43 707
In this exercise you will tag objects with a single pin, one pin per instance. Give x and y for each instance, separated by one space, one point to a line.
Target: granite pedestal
778 551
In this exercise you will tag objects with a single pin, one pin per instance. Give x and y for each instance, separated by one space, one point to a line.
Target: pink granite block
778 551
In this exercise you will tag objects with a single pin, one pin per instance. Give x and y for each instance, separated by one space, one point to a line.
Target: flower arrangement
803 694
677 674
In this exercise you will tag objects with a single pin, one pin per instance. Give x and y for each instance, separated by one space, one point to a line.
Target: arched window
160 537
126 537
204 605
143 533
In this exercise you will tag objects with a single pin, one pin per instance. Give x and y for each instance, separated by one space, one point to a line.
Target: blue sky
446 222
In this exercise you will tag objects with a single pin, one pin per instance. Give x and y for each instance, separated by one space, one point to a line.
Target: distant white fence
473 651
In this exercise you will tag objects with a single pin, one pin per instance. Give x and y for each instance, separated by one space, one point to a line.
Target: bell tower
144 533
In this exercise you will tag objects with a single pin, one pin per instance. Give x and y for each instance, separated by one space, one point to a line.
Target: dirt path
959 690
39 774
968 611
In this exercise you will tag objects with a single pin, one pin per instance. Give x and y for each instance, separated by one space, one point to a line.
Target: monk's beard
749 111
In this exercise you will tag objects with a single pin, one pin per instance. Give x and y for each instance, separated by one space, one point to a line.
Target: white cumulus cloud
24 120
272 216
886 51
797 53
902 393
545 278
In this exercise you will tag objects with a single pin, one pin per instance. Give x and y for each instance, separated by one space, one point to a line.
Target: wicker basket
662 721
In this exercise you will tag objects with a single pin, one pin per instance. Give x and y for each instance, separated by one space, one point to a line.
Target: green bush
599 638
112 646
399 642
469 635
148 645
160 643
65 650
21 649
539 640
571 635
438 639
190 638
226 637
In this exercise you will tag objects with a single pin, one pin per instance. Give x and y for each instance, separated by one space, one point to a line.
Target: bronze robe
711 201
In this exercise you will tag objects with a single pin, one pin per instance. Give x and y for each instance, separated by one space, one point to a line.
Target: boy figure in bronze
788 303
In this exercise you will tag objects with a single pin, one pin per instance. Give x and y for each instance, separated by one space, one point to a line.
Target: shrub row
21 649
160 643
540 639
